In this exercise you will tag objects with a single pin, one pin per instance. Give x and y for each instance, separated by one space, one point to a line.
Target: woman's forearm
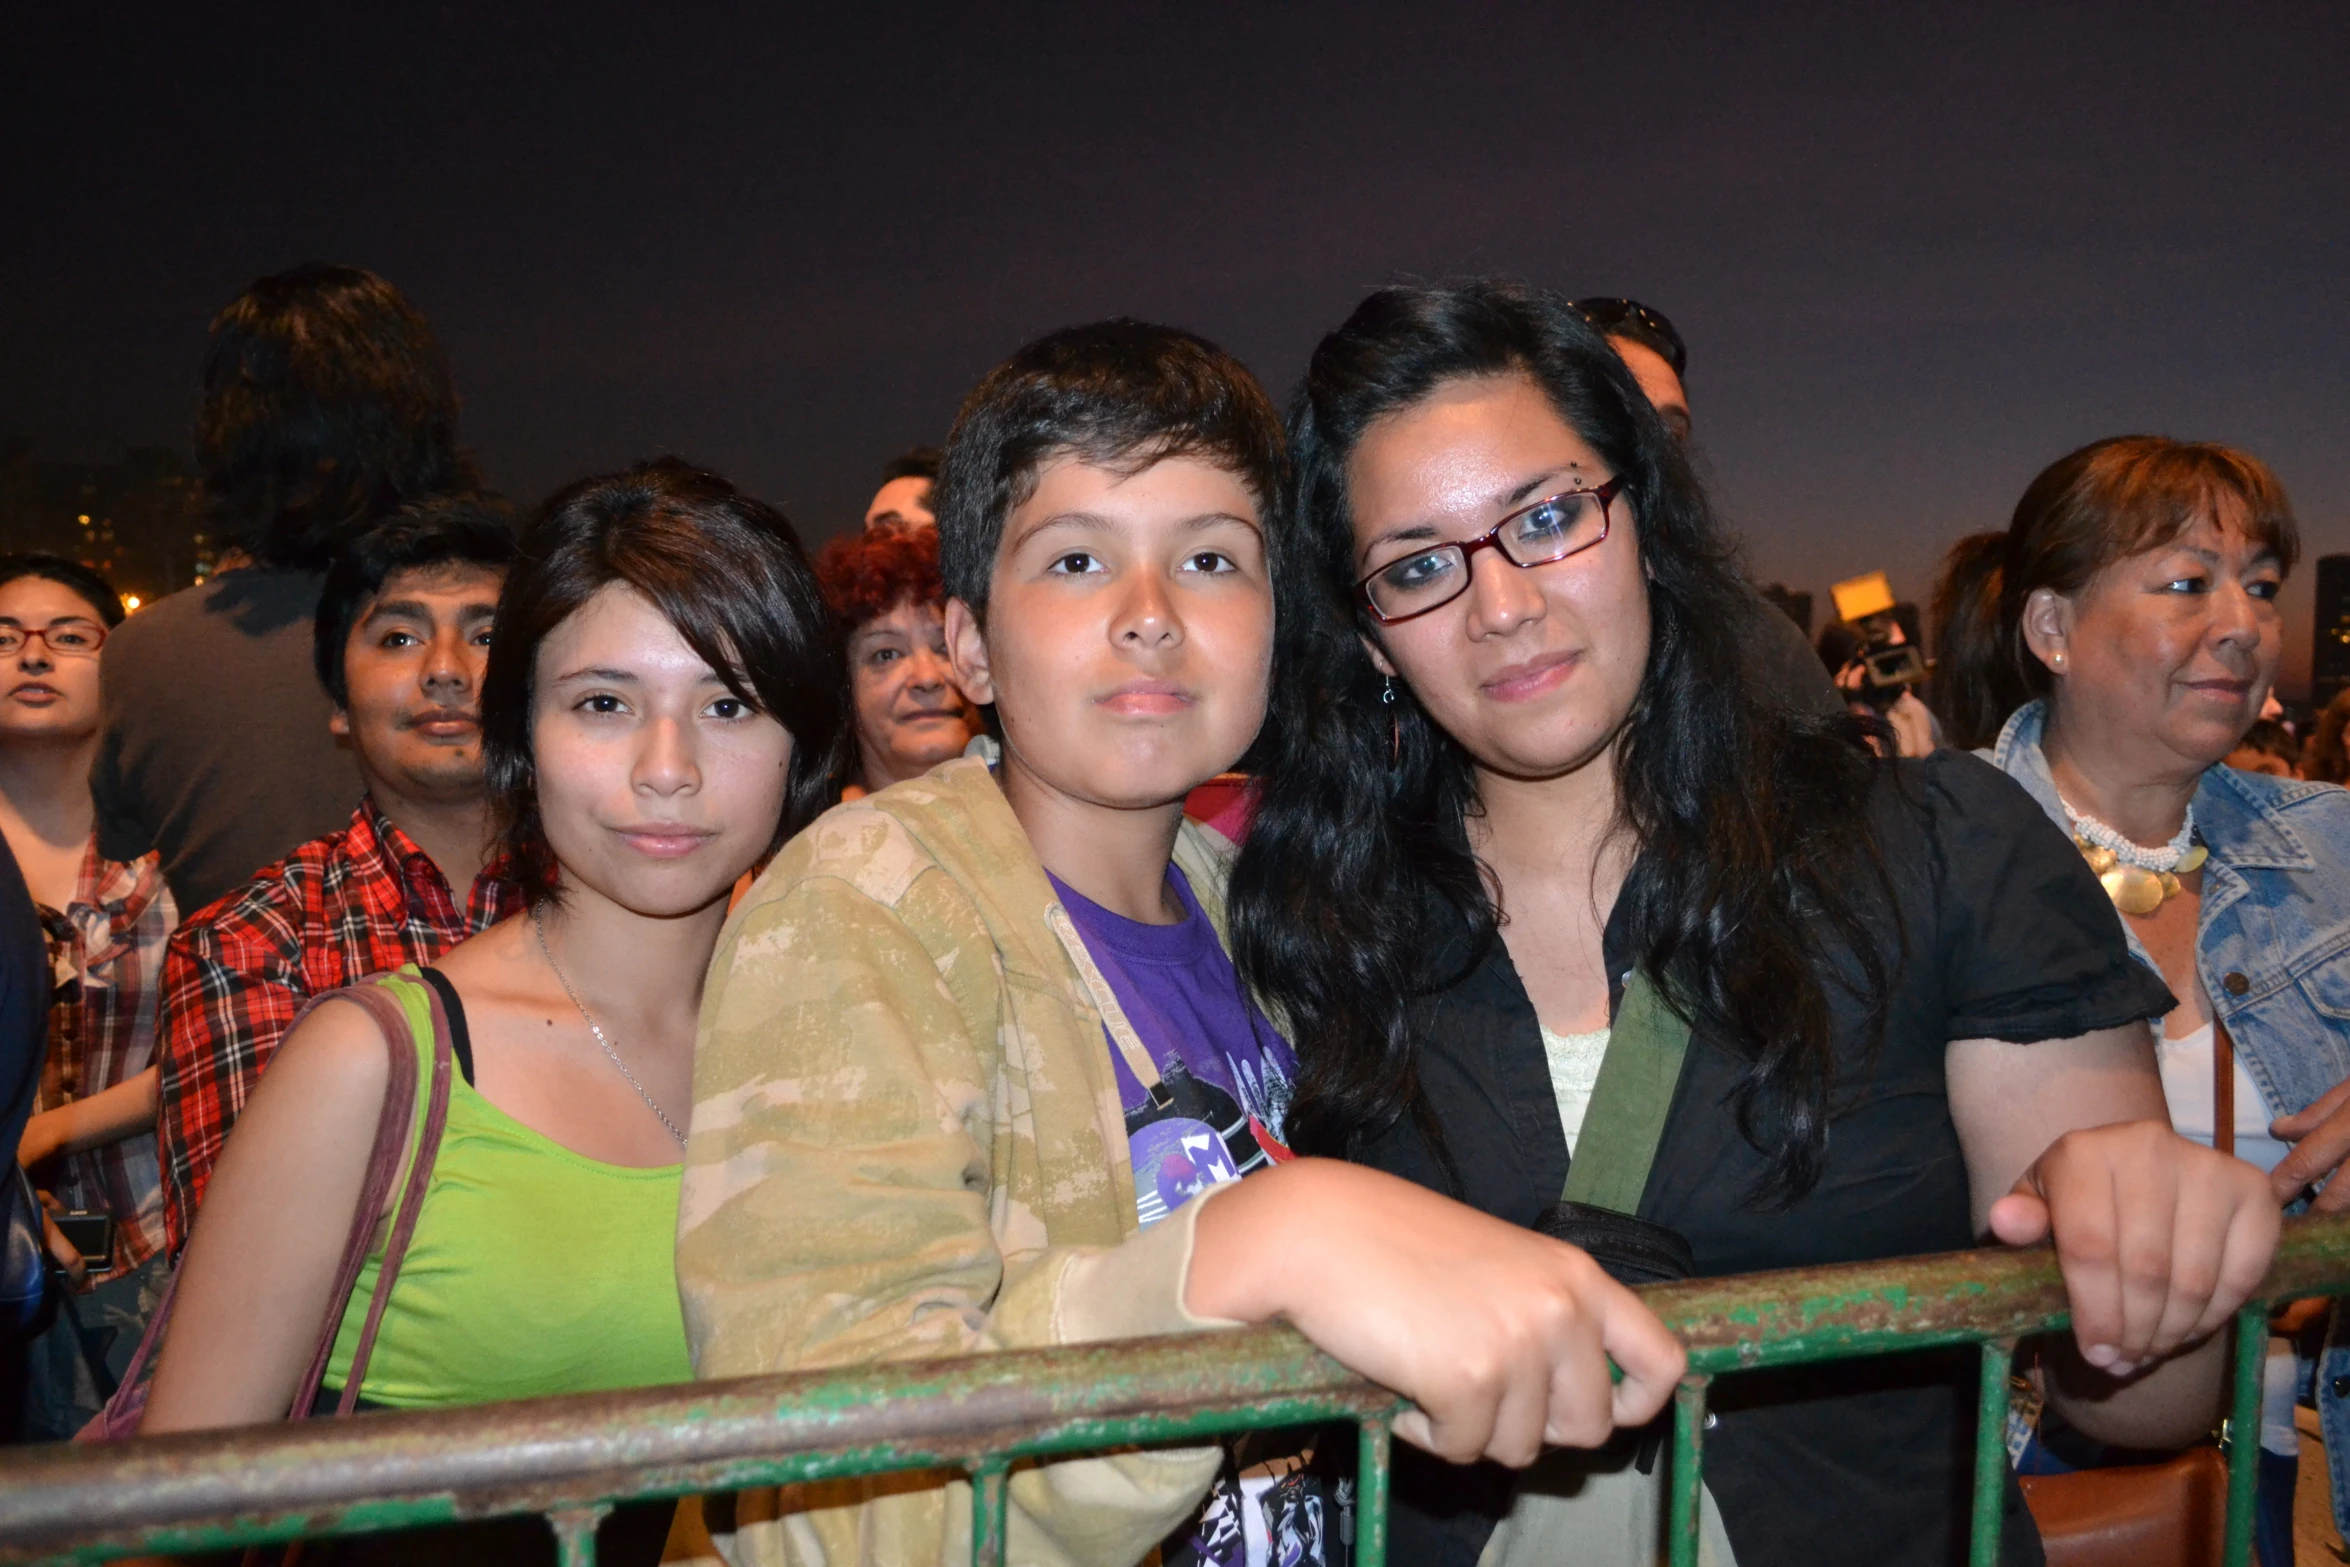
2176 1403
109 1116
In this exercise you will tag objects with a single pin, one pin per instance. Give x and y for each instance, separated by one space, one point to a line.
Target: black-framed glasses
1609 316
1433 575
72 637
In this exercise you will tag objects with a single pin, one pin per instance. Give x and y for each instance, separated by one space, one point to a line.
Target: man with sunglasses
1652 349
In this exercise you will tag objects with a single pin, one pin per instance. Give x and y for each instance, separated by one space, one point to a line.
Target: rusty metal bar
1990 1453
575 1534
211 1491
1372 1452
2251 1370
1688 1495
989 1521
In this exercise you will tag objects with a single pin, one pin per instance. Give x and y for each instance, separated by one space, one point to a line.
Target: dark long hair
1754 851
327 404
2090 508
723 568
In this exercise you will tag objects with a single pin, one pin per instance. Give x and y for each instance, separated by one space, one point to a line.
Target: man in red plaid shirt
402 640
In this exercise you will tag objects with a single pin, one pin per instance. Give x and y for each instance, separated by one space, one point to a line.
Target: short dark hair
453 532
918 462
1635 322
1123 394
327 404
726 570
66 573
866 575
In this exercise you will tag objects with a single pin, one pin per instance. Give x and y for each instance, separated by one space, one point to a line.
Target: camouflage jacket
907 1142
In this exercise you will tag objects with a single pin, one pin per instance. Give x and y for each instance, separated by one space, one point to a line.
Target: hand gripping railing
573 1458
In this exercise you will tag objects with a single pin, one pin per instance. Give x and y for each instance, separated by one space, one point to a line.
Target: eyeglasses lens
1544 532
61 636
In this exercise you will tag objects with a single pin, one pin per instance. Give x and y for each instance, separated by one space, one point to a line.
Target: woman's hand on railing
2320 1135
2160 1238
1501 1337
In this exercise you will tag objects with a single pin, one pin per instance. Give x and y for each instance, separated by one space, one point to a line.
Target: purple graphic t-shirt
1227 1075
1227 1072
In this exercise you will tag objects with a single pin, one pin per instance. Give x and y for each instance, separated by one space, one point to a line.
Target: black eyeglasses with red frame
1538 534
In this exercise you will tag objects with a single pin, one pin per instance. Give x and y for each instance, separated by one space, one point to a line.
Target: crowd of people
1383 868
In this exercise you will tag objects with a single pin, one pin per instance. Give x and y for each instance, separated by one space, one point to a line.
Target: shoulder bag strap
392 1128
428 1147
2223 1086
1626 1119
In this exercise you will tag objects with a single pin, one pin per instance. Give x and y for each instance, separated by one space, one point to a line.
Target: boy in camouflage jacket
910 1131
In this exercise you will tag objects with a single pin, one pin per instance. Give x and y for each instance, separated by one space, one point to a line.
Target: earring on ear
2056 659
1394 724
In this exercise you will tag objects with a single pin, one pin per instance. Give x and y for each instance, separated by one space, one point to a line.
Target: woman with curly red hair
884 588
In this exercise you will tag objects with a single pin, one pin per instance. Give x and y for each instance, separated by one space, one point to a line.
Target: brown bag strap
2223 1087
383 1168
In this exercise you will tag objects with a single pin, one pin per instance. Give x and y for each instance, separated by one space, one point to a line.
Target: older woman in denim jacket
2117 640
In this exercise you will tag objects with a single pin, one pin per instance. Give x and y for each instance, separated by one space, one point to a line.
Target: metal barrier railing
573 1458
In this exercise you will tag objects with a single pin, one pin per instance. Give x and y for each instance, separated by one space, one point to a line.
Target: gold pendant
2100 860
2133 889
2193 859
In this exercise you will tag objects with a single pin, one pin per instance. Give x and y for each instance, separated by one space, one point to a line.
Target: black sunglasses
1606 315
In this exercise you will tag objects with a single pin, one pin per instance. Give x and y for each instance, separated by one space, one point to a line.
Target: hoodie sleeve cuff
1134 1290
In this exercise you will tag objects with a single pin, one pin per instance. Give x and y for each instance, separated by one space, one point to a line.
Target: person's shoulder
2315 816
337 1049
952 818
1961 809
279 900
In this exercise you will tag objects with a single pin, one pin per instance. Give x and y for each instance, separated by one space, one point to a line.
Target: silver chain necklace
539 928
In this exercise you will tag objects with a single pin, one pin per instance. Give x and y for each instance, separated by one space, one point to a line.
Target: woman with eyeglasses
1531 809
90 1145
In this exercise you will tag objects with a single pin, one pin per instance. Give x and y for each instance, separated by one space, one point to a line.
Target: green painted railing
572 1459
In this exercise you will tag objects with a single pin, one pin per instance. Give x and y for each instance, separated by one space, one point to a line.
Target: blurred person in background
399 644
904 496
2267 747
2111 649
883 588
90 1144
1842 647
24 1038
2325 759
327 404
1781 662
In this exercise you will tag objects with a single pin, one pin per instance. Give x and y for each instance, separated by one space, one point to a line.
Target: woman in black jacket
1517 761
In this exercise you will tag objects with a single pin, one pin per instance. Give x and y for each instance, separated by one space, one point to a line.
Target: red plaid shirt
105 947
337 909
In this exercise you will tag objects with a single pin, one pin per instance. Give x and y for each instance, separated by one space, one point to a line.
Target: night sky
1916 259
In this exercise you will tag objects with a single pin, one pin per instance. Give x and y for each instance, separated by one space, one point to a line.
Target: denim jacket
2274 953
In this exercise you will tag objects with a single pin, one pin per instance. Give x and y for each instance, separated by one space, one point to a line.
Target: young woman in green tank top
663 706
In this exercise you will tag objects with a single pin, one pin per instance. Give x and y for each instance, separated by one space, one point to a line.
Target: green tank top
533 1270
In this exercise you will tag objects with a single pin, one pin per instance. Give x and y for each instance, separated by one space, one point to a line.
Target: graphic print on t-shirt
1204 1139
1224 1075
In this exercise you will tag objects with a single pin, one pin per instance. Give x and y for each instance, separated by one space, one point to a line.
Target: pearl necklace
2139 880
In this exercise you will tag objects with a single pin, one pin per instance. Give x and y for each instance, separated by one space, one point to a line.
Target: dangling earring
1394 725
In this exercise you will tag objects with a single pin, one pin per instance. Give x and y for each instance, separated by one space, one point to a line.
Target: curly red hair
866 575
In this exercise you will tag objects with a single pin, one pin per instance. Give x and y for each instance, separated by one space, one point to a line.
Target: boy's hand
1500 1336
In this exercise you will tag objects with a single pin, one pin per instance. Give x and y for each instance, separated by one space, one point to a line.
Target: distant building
134 521
2329 660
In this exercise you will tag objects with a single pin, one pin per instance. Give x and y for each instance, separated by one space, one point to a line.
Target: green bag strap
1626 1119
